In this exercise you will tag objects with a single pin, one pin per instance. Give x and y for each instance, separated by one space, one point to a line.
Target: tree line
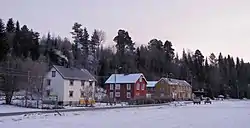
22 50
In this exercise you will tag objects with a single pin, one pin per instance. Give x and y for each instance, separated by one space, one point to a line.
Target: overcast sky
209 25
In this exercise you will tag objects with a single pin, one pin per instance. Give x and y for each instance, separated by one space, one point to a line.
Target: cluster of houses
124 87
70 85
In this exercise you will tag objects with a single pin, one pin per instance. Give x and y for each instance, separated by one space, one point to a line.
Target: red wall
134 91
140 92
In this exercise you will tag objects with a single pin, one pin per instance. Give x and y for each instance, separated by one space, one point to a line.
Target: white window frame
48 82
53 73
128 94
91 83
128 86
143 87
162 94
117 94
140 79
72 93
117 86
82 82
111 87
48 92
70 82
138 86
82 92
111 94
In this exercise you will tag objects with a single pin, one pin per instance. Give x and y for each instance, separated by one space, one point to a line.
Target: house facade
123 87
69 85
151 88
173 88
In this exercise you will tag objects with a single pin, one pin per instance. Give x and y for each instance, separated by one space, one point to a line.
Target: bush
153 100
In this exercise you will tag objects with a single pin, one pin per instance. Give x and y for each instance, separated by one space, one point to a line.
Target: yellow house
173 88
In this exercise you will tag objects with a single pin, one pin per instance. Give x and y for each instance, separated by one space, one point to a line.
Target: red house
124 87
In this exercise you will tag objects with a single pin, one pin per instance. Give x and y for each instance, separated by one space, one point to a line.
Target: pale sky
209 25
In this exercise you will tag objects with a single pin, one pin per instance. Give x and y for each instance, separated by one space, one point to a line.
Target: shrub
153 100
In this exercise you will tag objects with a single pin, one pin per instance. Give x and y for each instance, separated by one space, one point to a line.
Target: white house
69 85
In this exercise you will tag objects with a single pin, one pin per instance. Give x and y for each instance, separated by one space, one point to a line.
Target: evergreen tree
77 35
34 51
10 28
93 49
25 41
125 49
16 43
169 51
95 41
198 70
212 59
85 42
4 47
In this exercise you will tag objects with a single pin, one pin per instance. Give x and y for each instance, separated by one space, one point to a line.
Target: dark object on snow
197 100
207 101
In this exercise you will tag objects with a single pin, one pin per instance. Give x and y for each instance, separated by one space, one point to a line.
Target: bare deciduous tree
13 77
102 36
36 71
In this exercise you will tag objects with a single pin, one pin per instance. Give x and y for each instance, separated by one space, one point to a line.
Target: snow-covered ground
10 108
220 114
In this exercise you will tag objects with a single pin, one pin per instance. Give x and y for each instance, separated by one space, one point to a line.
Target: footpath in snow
220 114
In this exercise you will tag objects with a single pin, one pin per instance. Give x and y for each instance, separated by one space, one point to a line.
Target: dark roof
74 73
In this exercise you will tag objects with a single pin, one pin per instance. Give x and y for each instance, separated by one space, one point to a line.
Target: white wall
77 88
56 85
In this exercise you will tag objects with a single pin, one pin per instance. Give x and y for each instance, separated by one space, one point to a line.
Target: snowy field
220 114
9 108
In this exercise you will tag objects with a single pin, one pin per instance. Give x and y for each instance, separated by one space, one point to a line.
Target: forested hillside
23 50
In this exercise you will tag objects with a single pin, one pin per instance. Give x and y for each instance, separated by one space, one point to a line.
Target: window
137 94
48 92
162 89
82 82
128 86
117 94
117 87
140 79
142 86
128 95
71 82
82 94
162 81
71 93
91 83
162 94
137 86
111 94
48 81
53 73
111 86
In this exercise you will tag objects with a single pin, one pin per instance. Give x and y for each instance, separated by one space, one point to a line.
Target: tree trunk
8 97
26 98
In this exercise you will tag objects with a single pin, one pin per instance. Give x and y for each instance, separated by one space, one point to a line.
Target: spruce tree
25 41
77 35
4 47
34 51
10 28
16 43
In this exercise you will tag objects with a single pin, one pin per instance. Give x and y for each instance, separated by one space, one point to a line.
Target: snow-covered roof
74 73
124 78
176 82
151 84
